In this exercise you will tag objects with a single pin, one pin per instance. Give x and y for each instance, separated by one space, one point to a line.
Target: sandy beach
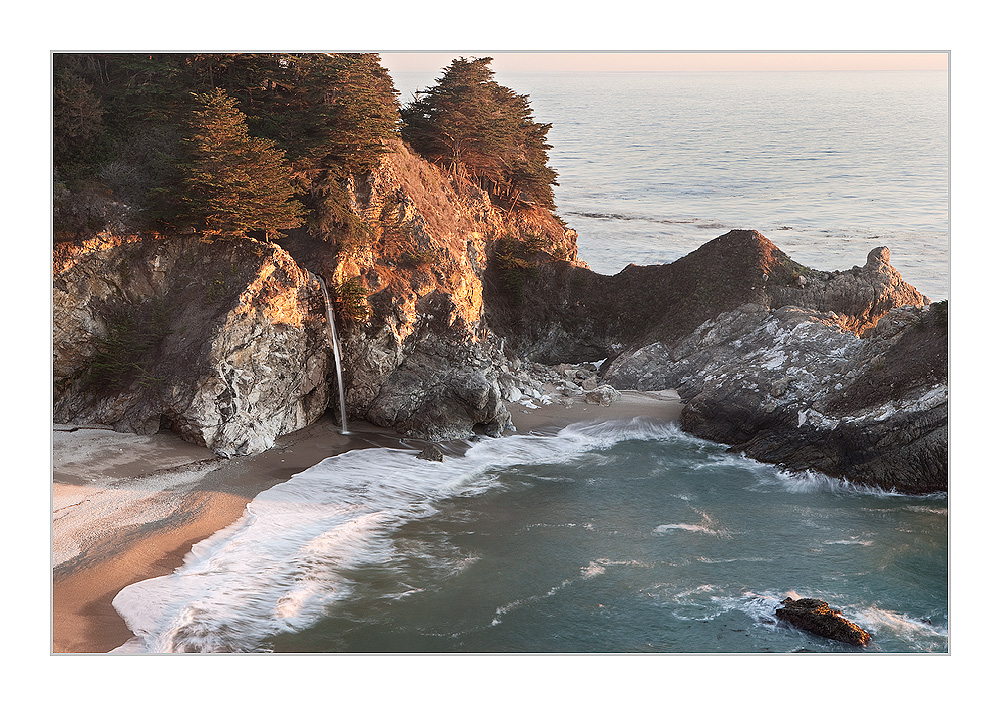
126 508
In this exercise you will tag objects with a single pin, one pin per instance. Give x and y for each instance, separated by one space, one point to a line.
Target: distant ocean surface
623 536
826 164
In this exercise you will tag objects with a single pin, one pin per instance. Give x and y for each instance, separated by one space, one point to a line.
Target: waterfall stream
335 342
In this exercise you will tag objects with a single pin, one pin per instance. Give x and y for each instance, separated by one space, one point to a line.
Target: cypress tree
235 183
476 128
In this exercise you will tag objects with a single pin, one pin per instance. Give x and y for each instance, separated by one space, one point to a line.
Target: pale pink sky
675 61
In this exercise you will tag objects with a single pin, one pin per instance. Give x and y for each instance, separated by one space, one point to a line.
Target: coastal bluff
450 310
226 343
843 373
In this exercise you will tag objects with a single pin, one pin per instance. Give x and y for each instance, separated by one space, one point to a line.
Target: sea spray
335 343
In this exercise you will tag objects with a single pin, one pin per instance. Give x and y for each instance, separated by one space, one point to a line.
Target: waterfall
335 342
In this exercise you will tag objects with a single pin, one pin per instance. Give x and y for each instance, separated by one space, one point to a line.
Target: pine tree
474 127
236 183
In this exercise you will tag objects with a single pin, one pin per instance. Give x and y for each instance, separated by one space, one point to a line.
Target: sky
674 61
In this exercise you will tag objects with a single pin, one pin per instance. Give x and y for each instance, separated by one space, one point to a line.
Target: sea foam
288 559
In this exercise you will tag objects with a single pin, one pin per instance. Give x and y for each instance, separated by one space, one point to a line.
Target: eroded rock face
423 362
791 387
572 314
225 343
816 616
843 373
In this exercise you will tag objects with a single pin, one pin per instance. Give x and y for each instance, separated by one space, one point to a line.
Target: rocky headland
450 310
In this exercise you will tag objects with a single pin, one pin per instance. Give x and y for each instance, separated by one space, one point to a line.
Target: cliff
449 307
422 360
226 342
839 372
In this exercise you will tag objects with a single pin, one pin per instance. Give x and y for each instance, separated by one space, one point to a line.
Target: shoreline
127 508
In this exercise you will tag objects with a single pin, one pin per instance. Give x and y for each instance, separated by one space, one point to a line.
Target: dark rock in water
431 453
816 616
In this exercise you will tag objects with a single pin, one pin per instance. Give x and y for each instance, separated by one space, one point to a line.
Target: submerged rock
816 616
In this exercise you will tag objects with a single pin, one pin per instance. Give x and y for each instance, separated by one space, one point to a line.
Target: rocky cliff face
225 343
790 386
422 360
572 313
843 373
447 308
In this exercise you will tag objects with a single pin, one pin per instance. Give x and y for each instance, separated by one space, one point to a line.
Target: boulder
604 395
225 343
431 453
816 616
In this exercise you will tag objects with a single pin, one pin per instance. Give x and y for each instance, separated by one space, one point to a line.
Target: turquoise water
611 537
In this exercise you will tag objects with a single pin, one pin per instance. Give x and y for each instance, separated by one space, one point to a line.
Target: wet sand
127 508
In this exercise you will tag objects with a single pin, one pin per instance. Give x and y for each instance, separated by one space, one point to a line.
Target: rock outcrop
816 616
225 343
570 313
421 360
793 388
844 373
449 308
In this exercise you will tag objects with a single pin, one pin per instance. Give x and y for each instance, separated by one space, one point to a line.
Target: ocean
826 164
627 536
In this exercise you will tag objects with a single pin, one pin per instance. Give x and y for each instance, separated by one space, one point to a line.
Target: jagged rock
816 616
573 314
843 373
225 343
431 453
793 388
424 363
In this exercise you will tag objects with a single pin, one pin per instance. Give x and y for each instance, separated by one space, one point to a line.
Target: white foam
706 526
286 560
84 516
681 526
881 622
813 482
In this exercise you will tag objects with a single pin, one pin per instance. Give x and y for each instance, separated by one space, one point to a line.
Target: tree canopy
123 125
474 127
235 183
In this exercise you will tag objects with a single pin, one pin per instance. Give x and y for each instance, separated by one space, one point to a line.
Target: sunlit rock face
225 343
423 361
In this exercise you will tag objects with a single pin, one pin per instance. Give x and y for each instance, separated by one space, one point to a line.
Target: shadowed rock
845 373
431 453
816 616
225 343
